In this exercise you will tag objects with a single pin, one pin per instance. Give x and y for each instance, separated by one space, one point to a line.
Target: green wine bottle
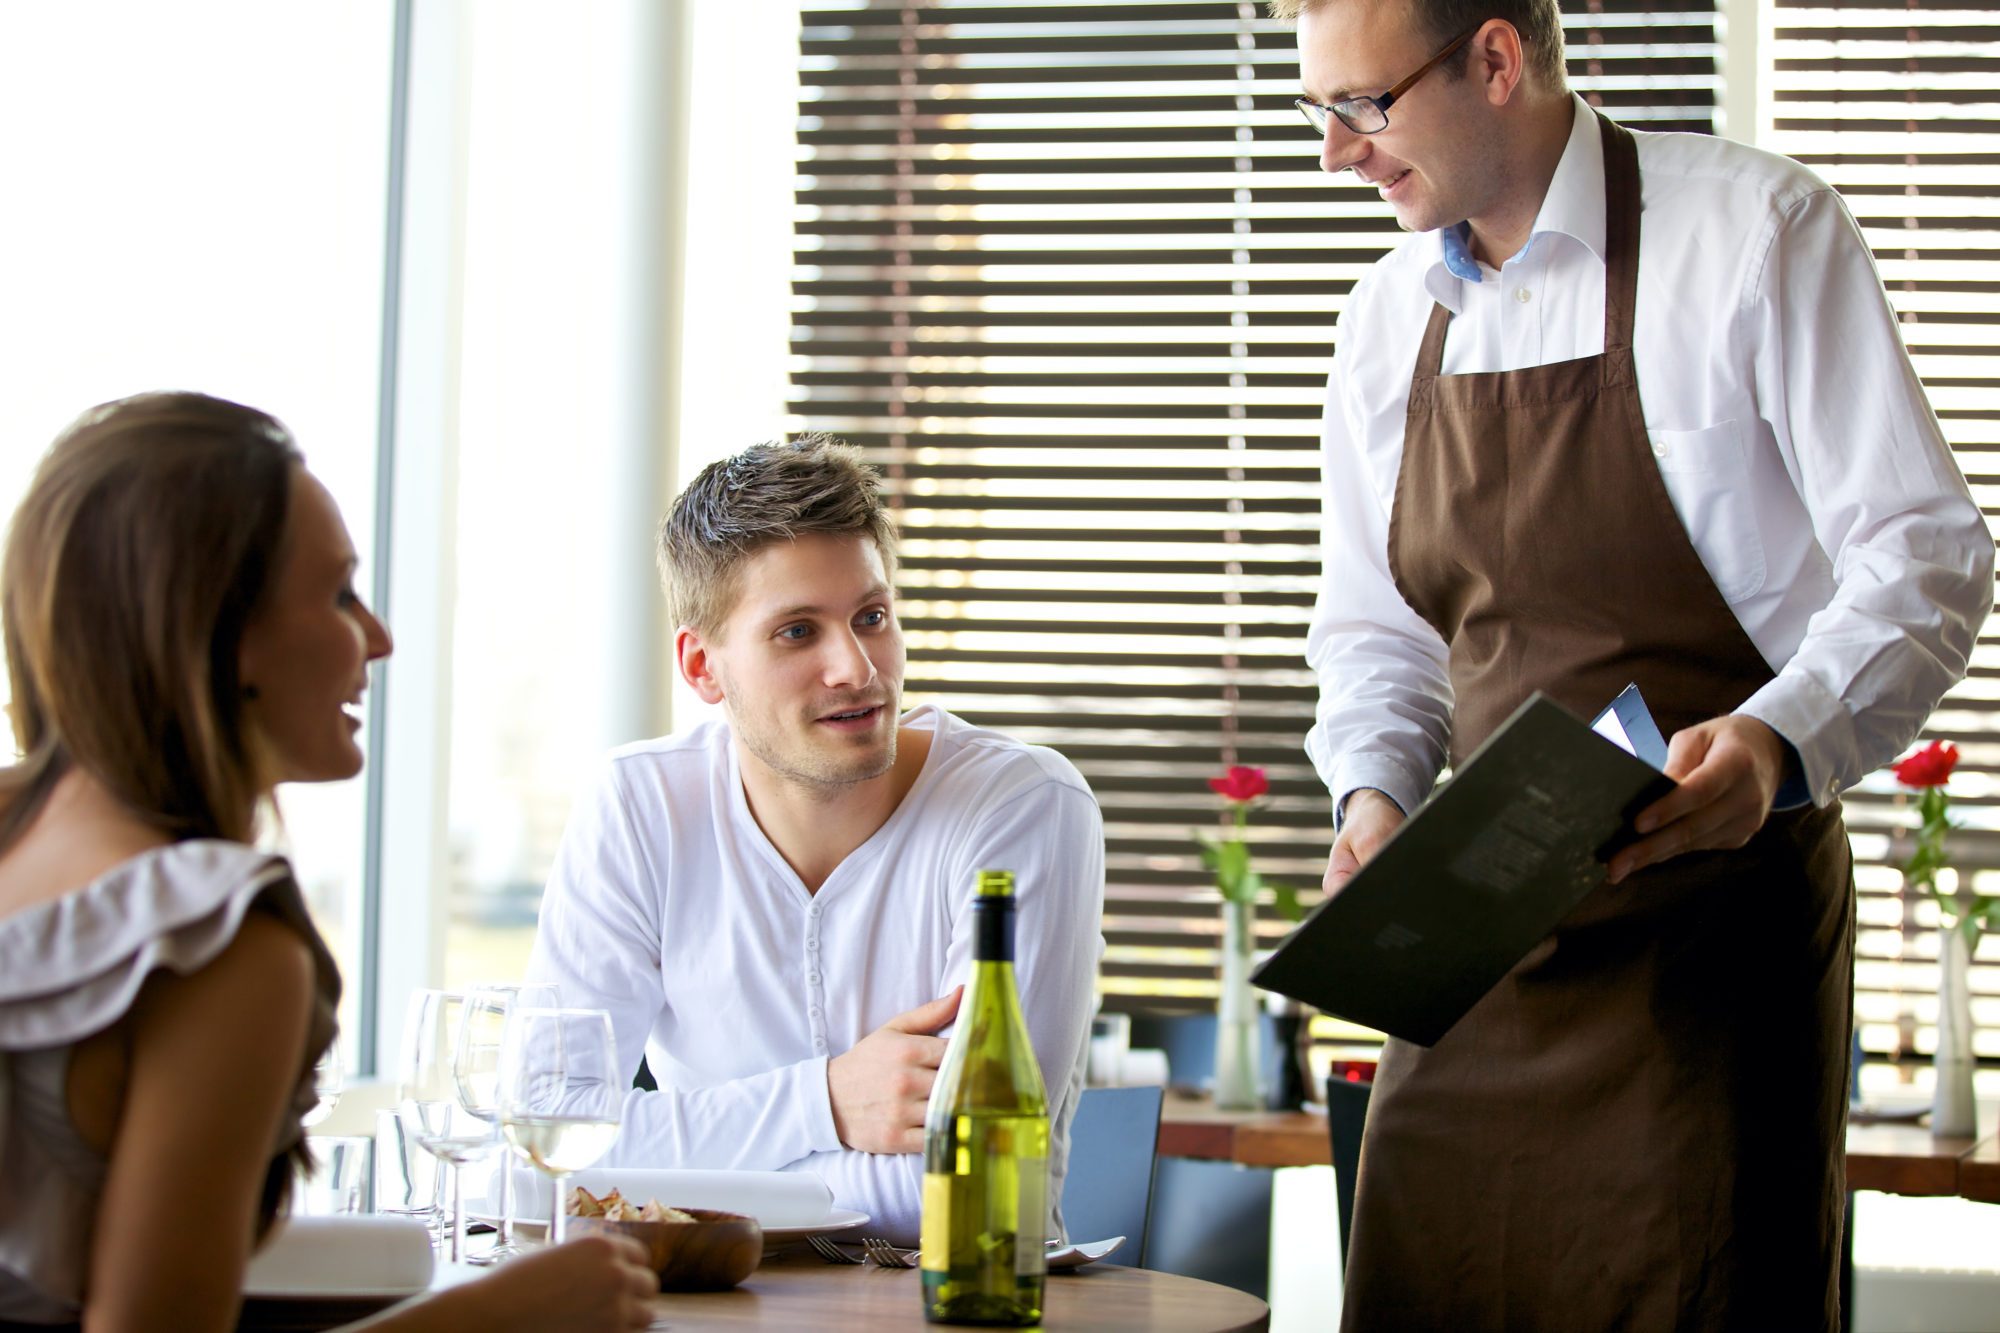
986 1143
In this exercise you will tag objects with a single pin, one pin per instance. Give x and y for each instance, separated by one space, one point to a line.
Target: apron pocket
1708 479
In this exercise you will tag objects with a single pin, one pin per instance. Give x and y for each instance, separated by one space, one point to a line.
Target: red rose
1928 767
1240 783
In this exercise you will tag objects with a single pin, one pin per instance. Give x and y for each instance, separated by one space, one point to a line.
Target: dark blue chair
1211 1220
1346 1113
1113 1139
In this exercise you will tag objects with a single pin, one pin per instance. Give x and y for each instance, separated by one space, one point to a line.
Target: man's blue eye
875 617
793 632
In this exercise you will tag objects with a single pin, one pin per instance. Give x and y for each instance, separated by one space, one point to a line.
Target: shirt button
812 978
813 910
819 1044
1522 295
1660 448
813 1013
812 946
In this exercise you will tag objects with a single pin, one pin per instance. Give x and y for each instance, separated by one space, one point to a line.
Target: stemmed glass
476 1070
329 1077
560 1094
429 1095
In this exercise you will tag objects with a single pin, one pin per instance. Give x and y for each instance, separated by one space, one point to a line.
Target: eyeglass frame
1317 114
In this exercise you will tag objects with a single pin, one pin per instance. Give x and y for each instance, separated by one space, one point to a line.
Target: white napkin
774 1198
353 1254
1144 1067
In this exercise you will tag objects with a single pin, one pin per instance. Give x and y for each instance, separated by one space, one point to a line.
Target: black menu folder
1472 881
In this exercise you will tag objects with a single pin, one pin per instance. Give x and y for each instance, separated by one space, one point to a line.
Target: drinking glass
428 1095
476 1070
560 1093
329 1077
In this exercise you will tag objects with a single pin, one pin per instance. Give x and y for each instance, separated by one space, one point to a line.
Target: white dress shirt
1790 430
670 908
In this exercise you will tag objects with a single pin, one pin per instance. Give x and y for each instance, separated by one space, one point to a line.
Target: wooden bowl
712 1253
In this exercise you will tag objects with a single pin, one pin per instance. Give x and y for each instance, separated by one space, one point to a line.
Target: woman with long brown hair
183 634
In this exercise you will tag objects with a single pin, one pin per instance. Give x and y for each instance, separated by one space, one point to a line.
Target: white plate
1083 1252
399 1292
840 1219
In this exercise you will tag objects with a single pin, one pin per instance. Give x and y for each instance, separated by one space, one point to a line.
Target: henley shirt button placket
813 1011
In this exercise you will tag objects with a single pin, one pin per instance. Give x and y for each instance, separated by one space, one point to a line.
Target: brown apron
1641 1126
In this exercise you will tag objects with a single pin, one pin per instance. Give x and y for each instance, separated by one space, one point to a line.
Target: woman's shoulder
74 965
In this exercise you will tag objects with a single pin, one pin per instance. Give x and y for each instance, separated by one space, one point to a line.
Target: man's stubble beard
827 781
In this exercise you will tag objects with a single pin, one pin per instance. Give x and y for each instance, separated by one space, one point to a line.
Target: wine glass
560 1094
329 1077
428 1095
476 1070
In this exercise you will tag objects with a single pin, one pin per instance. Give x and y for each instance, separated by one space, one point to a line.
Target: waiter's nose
1341 148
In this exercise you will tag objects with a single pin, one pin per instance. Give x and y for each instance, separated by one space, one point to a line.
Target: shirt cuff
1385 775
1340 806
1816 725
815 1103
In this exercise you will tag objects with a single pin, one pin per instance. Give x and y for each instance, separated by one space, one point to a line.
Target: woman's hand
593 1284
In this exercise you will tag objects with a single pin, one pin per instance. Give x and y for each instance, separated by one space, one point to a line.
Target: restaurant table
795 1289
1889 1158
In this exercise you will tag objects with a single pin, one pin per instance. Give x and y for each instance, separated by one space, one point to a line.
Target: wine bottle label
1031 1256
934 1235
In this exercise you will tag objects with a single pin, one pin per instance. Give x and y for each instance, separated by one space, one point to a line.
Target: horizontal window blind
1069 274
1898 107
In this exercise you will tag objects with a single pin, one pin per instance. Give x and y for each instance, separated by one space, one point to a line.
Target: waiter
1623 408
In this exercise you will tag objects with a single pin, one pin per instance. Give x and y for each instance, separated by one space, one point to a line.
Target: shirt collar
1573 207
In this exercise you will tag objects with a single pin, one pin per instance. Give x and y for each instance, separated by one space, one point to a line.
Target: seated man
775 904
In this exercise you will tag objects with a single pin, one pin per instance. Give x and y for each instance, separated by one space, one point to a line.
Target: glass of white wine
476 1070
560 1094
428 1095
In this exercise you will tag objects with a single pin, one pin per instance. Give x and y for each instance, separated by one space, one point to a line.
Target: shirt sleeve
1052 838
1384 712
1912 558
599 942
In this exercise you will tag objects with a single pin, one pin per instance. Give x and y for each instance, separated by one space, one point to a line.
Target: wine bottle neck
993 931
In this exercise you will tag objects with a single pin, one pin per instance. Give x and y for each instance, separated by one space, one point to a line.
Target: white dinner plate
839 1219
1082 1252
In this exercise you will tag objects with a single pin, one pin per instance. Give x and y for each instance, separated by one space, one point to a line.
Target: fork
886 1255
830 1251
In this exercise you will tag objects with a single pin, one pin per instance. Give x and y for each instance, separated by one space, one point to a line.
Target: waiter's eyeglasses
1370 115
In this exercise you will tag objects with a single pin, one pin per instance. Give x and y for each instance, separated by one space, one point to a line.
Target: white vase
1239 1085
1954 1113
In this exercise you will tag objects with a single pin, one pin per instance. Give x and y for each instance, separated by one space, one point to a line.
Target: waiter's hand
1370 818
1729 769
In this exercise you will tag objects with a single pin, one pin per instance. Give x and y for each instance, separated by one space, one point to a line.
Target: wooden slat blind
1070 274
1898 107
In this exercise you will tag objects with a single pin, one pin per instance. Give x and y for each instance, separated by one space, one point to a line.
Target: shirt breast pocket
1707 474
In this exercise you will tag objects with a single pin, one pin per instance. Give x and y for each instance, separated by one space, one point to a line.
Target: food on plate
615 1207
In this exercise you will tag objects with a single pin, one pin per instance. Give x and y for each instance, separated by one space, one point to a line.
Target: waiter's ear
1496 61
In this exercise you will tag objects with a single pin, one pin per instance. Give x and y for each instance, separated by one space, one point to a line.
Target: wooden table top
1979 1171
1891 1158
796 1289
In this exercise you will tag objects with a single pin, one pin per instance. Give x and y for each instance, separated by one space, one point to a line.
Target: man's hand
879 1089
1729 769
1371 817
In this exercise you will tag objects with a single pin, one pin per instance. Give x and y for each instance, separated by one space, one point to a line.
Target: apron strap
1621 237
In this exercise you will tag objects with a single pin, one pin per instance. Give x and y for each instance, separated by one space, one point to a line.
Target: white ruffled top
71 968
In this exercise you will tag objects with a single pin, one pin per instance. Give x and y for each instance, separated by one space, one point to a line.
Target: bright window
195 198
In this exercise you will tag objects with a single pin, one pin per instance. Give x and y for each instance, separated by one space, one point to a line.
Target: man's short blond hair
768 493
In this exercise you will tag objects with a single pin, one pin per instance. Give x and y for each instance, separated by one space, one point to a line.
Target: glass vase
1238 1078
1954 1113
